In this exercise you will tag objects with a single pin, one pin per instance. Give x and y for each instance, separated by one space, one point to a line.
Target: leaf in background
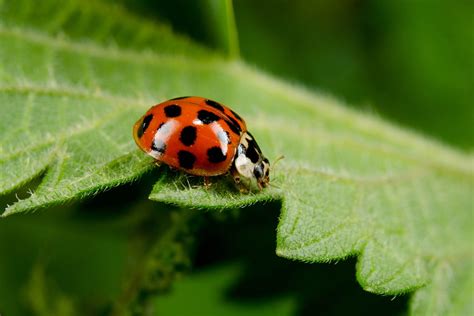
360 52
351 184
44 299
210 22
213 298
55 259
220 23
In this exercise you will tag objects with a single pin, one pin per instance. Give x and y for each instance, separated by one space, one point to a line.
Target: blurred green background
408 61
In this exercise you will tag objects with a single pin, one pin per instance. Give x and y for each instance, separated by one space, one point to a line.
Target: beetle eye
258 171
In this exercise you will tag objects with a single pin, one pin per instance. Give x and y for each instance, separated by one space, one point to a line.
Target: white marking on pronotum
244 166
162 135
242 163
197 122
221 136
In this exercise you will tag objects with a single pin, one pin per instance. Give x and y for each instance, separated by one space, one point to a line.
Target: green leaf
351 184
40 298
52 259
213 299
220 23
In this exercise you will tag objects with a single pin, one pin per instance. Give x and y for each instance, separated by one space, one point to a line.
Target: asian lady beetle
201 137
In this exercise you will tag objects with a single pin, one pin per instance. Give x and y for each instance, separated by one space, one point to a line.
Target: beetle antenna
277 160
273 166
274 186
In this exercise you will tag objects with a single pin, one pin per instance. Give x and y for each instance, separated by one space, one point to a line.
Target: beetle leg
239 182
207 183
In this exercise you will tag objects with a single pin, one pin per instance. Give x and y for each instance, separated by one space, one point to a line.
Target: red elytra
201 137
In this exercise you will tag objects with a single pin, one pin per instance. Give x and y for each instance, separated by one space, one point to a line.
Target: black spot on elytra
179 98
207 117
188 135
158 146
172 110
186 159
215 105
235 123
145 123
237 116
234 128
215 155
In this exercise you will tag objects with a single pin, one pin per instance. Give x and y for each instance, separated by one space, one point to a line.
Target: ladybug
201 137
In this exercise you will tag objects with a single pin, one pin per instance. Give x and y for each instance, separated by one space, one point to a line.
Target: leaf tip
282 252
7 212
